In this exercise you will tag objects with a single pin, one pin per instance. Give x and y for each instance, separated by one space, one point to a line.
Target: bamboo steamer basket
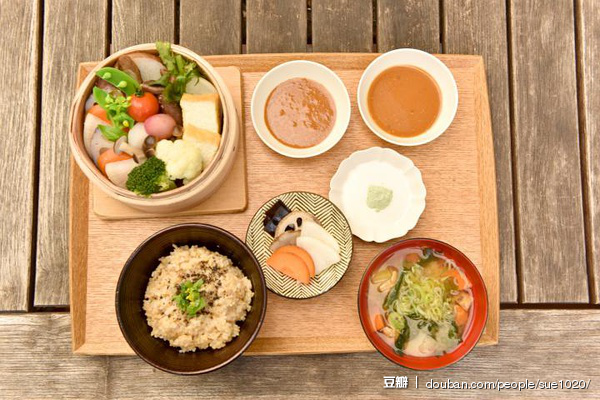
174 200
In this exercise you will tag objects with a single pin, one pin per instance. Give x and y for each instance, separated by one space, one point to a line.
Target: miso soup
420 302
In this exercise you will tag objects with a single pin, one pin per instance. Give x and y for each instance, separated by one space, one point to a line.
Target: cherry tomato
142 107
99 112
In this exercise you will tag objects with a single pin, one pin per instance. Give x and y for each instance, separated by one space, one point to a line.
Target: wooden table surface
542 59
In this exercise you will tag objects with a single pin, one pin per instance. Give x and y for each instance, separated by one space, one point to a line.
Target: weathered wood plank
73 32
19 59
548 175
141 21
588 24
342 25
211 27
36 363
408 23
470 28
276 26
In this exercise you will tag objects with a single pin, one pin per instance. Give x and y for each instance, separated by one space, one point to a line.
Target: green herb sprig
116 111
189 299
179 72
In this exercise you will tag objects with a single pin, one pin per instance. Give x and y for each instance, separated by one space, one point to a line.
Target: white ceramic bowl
428 63
300 69
380 167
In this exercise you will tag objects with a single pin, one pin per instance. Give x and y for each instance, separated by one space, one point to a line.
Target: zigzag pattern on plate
330 218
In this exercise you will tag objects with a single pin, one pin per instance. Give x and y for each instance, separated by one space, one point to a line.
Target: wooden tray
231 197
457 168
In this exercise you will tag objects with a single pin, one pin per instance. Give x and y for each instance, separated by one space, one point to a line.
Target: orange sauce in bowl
300 113
404 101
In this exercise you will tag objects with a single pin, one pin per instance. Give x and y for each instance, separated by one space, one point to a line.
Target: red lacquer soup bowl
473 329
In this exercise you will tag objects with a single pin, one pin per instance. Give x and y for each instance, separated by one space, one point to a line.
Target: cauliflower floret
182 160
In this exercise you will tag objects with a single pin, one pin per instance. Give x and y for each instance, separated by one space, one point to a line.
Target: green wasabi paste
379 197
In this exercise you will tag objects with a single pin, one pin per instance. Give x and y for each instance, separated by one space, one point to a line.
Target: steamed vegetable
199 85
137 135
117 172
179 72
98 144
119 79
99 112
143 106
134 107
116 111
149 66
182 161
109 156
90 126
161 126
149 178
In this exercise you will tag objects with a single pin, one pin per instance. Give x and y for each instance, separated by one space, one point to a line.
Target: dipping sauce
404 101
300 113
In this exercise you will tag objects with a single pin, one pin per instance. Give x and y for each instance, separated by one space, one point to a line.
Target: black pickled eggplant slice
274 215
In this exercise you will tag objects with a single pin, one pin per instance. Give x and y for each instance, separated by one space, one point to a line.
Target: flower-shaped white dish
381 193
300 69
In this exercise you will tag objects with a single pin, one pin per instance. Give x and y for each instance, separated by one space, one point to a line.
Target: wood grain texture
19 58
141 21
342 25
212 26
408 23
548 175
37 363
470 28
588 24
463 213
78 250
275 26
72 34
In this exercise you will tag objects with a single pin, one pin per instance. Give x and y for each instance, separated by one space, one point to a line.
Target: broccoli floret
150 177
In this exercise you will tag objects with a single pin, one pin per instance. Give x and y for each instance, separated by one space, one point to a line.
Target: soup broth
420 302
404 101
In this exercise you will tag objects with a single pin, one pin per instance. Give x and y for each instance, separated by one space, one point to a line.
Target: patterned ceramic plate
330 217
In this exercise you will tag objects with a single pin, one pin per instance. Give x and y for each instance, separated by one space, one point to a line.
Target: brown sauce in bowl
300 113
404 101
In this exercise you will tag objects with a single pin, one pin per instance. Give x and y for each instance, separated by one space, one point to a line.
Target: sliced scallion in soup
420 302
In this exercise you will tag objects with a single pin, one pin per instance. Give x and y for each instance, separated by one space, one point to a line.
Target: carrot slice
290 265
461 282
99 112
412 258
379 322
303 254
109 156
